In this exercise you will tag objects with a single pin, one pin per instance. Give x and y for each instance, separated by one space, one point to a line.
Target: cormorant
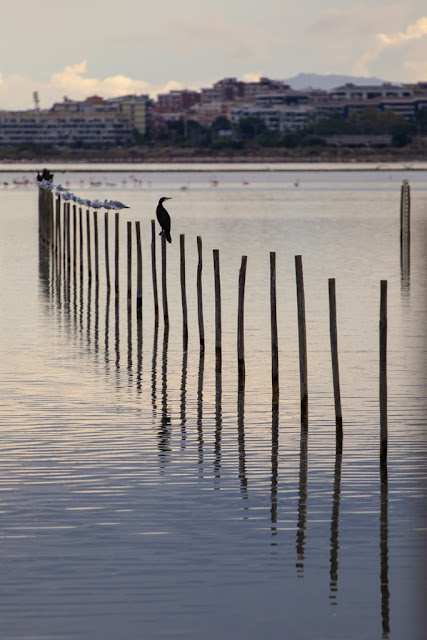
164 219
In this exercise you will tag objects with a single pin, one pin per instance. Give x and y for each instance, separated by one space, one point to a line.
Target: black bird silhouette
164 219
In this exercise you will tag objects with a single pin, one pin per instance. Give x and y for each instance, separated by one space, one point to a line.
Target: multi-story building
177 101
92 121
280 118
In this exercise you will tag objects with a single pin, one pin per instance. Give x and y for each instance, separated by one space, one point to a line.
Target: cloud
73 79
16 91
407 49
413 32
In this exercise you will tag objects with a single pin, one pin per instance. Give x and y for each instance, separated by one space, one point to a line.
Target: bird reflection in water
164 432
154 371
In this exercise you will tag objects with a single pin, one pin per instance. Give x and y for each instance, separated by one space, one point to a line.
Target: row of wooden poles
55 230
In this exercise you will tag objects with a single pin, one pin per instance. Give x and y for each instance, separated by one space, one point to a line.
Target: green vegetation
182 138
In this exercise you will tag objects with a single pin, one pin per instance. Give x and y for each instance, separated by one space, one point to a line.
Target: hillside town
232 111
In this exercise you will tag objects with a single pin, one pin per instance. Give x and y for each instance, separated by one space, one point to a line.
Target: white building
280 118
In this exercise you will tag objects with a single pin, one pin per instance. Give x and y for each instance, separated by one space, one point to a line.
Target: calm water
144 496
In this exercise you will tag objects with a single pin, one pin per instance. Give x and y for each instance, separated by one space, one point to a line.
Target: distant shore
144 155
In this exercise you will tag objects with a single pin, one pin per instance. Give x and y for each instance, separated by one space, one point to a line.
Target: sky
109 48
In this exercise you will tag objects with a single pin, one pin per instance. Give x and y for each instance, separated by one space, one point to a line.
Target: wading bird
164 219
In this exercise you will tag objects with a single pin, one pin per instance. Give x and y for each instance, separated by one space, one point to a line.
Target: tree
251 127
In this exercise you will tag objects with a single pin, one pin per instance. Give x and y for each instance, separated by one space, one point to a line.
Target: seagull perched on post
117 205
164 219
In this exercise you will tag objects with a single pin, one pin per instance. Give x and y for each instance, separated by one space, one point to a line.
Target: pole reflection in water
129 325
218 425
405 268
385 591
333 572
164 434
117 335
154 371
183 397
241 437
139 352
96 327
89 312
200 409
274 465
302 501
107 333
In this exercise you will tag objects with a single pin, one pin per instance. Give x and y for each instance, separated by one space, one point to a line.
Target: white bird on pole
96 204
108 205
118 205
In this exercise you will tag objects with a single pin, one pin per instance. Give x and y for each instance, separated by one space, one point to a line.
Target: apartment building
92 121
281 119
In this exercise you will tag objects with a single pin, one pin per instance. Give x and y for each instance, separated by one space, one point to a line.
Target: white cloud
16 91
403 47
413 32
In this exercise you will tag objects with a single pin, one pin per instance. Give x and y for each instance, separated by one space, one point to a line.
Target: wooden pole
383 371
129 238
218 326
68 235
154 272
274 338
302 339
334 355
57 235
199 295
183 293
164 283
89 258
139 269
107 256
95 234
405 213
81 242
74 241
116 262
241 323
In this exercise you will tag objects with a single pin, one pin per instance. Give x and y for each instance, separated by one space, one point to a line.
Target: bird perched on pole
164 219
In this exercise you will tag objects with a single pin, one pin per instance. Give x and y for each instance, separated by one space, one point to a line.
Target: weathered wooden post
183 293
138 270
383 371
116 269
68 236
274 338
218 326
405 213
405 233
107 253
154 272
88 247
81 242
302 339
199 294
334 355
74 242
241 323
95 235
129 264
164 284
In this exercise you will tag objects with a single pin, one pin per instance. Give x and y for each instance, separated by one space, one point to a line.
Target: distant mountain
327 81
